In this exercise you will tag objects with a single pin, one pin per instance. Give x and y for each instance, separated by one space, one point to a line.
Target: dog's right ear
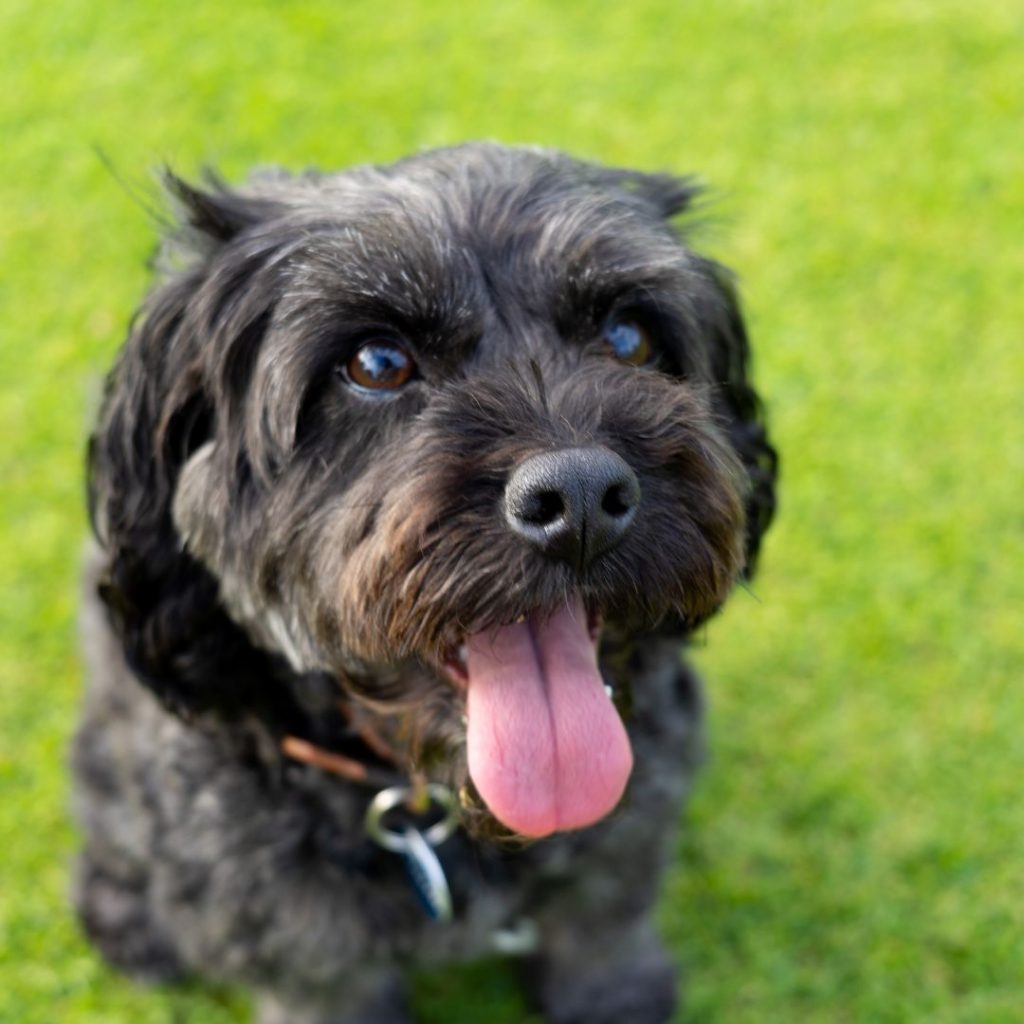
158 411
216 213
664 195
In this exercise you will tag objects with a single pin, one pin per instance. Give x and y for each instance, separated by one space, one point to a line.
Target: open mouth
546 747
455 665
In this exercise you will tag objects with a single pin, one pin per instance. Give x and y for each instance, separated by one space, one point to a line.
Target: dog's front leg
370 997
601 961
623 976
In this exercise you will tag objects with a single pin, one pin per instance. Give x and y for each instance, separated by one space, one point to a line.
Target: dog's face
433 427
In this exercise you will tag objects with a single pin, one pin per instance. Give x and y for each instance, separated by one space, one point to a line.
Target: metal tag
427 876
416 848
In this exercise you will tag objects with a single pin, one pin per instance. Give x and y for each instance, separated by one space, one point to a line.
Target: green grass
854 850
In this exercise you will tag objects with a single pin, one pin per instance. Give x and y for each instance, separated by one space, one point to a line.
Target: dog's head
429 428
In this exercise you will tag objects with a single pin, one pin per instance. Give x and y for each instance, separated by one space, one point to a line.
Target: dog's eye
629 341
380 366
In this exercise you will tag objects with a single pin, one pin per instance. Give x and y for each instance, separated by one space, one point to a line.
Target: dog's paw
636 986
370 999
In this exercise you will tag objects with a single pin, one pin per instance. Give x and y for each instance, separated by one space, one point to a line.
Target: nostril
543 508
616 501
572 504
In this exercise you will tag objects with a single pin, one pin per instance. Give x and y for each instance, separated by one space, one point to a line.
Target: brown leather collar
351 768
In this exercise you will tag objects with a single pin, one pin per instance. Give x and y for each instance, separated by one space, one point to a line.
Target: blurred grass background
855 850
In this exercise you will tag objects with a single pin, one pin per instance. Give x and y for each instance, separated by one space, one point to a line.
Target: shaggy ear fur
742 411
667 194
217 213
156 414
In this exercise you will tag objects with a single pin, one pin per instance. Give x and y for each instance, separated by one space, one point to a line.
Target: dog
408 487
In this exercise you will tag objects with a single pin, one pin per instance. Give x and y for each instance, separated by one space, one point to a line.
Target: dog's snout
574 504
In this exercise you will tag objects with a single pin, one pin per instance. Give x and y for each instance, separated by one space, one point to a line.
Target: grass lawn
854 850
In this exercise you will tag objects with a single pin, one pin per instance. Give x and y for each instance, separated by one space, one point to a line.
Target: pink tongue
547 749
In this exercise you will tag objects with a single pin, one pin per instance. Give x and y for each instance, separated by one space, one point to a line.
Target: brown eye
628 341
380 366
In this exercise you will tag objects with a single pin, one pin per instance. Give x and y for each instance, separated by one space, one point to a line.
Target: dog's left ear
740 406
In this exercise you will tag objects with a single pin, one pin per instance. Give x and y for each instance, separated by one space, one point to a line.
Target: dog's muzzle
574 504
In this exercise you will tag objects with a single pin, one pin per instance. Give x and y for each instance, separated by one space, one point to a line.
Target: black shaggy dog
409 485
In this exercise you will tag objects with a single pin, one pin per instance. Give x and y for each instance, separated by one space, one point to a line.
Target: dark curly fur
278 553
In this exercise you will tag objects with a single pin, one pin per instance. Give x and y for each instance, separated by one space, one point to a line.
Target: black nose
574 504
